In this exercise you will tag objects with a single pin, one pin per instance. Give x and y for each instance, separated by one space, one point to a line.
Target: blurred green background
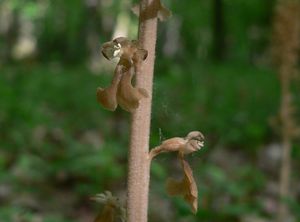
213 73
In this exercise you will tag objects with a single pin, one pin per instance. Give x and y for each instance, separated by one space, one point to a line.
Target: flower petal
186 187
163 13
192 195
112 208
175 187
169 145
157 9
108 97
140 55
110 50
129 97
194 141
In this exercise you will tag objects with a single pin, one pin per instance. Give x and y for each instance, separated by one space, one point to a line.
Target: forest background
213 73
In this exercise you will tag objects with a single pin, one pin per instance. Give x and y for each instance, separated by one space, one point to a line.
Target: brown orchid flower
194 141
121 90
124 49
155 9
186 187
129 97
112 208
108 96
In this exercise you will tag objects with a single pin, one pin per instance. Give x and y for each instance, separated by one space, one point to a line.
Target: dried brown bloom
192 142
156 9
124 49
112 208
186 187
108 96
129 97
121 90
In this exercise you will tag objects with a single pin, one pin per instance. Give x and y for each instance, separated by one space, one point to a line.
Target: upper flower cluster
121 91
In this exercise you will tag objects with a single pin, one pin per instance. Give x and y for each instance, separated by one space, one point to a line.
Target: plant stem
283 211
286 46
286 120
139 163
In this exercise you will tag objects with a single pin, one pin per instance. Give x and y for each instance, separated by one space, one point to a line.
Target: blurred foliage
58 147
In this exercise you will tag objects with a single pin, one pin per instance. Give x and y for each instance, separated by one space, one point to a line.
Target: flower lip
196 139
196 135
104 54
196 144
111 49
200 144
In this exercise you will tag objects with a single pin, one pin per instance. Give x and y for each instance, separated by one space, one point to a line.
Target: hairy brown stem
139 163
285 170
283 211
286 43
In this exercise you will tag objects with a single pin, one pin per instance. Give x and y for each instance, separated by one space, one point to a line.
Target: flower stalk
286 43
138 161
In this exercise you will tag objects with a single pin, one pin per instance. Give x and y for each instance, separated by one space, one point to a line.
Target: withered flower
108 96
156 9
186 187
129 97
192 142
124 49
112 208
121 90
